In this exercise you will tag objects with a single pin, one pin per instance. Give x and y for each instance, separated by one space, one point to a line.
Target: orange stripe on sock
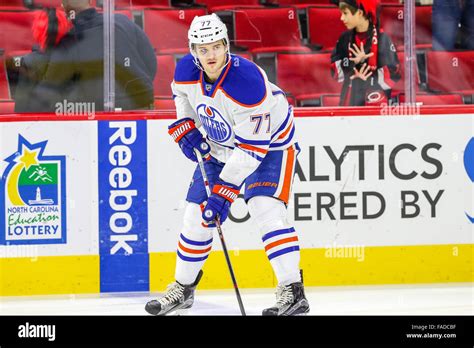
285 191
281 241
193 251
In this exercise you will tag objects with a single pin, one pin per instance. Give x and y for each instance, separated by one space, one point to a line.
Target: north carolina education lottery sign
33 196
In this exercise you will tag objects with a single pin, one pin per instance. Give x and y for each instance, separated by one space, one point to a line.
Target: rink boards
96 206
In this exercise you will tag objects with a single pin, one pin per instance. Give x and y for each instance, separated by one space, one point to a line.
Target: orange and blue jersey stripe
254 148
283 125
284 134
287 171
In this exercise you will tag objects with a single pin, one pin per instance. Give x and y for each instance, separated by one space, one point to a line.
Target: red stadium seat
127 13
450 71
245 55
20 4
391 19
221 5
436 99
330 100
392 22
306 76
48 3
17 54
16 33
7 107
141 4
424 34
399 86
164 104
268 30
168 29
165 73
11 4
291 100
325 26
301 3
4 90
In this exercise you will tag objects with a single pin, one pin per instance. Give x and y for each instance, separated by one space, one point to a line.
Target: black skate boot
177 297
290 301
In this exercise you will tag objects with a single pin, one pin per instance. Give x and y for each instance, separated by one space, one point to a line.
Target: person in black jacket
75 73
364 59
50 25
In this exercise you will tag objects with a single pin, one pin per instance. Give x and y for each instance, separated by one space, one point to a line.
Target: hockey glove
218 204
188 137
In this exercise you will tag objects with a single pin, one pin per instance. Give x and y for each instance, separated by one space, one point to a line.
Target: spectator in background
75 73
364 59
453 21
49 27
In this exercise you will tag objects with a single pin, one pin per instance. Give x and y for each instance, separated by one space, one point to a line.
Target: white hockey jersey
242 113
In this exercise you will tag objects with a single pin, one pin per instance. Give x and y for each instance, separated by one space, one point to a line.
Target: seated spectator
364 59
453 25
75 72
49 28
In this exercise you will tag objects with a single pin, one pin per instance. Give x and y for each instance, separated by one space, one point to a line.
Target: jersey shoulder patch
186 70
244 83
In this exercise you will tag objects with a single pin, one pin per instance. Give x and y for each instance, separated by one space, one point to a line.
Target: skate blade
178 312
305 312
299 311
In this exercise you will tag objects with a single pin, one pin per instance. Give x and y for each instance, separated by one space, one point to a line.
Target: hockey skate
290 301
177 298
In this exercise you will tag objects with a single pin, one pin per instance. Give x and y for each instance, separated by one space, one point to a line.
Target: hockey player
364 59
249 140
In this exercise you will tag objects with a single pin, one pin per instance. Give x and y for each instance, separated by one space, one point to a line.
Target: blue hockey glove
188 137
218 204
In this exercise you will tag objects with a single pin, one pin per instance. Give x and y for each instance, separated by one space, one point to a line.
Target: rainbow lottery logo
33 196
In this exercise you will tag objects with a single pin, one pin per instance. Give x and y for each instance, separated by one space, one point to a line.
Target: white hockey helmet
207 29
204 30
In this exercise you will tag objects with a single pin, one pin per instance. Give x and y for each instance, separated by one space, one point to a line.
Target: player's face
350 20
212 56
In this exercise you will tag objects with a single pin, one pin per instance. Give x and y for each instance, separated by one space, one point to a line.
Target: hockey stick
219 230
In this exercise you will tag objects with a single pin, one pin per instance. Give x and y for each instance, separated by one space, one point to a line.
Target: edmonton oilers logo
33 196
469 166
214 124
